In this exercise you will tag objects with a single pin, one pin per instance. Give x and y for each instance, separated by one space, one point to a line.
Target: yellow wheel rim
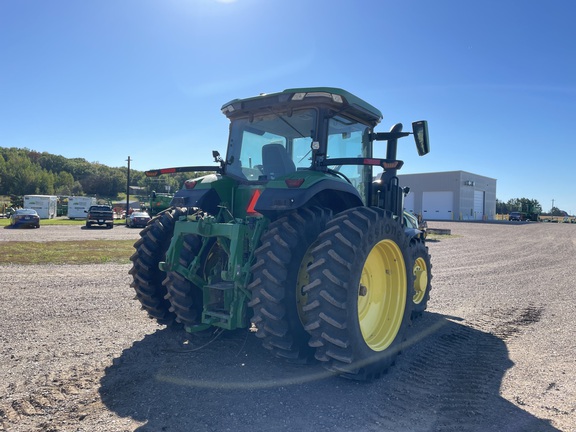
420 280
382 295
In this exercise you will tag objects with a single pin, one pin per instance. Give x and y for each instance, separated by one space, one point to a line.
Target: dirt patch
493 352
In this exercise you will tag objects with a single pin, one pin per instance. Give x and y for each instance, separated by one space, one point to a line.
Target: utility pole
127 191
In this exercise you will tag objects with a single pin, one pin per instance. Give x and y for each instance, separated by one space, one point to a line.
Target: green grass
67 252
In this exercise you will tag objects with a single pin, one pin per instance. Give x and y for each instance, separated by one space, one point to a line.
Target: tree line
28 172
526 205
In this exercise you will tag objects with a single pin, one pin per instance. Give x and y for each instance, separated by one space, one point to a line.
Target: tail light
190 184
294 183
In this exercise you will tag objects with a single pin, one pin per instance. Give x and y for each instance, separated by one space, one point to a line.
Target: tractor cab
282 139
275 135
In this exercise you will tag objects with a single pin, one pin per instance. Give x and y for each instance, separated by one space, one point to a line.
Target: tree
44 183
501 207
2 170
525 205
555 211
66 185
19 178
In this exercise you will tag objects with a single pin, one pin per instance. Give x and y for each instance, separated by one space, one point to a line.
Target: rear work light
300 96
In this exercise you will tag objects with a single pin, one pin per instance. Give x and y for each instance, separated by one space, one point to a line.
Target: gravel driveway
495 352
68 232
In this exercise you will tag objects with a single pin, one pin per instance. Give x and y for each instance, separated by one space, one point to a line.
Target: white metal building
451 195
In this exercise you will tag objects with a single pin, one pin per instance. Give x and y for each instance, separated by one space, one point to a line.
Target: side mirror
420 130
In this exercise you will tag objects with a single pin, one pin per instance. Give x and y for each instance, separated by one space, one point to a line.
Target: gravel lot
68 232
495 351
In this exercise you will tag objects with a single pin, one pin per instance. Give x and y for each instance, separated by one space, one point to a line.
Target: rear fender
207 192
412 233
206 199
334 194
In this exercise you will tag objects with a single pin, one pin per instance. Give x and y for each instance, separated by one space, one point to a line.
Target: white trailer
78 206
45 205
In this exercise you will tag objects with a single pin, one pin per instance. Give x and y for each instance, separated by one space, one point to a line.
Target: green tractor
292 237
159 202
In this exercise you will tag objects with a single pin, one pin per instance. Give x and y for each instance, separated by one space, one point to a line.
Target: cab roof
336 98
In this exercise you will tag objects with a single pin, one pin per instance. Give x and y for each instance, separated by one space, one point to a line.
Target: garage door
478 205
409 202
438 205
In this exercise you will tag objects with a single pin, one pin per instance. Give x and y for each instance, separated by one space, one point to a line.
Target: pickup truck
100 215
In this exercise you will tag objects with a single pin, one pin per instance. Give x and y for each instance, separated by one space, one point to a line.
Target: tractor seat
275 161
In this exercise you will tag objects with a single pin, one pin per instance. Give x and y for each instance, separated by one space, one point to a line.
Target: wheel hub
420 280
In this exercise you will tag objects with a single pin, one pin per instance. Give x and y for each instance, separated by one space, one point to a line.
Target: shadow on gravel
447 380
95 228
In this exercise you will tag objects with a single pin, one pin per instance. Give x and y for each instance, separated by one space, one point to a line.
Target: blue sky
108 79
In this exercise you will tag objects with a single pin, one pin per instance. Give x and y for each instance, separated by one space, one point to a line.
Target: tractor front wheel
360 293
422 269
279 275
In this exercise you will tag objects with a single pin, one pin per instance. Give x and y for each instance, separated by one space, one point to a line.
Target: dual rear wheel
146 276
360 293
340 289
279 276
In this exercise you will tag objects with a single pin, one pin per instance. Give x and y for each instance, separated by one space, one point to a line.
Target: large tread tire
185 297
147 277
422 270
279 274
360 293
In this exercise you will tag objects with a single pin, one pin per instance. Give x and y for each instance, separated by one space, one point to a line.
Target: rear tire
279 274
422 270
360 293
147 277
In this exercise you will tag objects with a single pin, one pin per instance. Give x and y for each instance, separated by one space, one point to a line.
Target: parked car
100 215
138 219
413 221
517 216
25 218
